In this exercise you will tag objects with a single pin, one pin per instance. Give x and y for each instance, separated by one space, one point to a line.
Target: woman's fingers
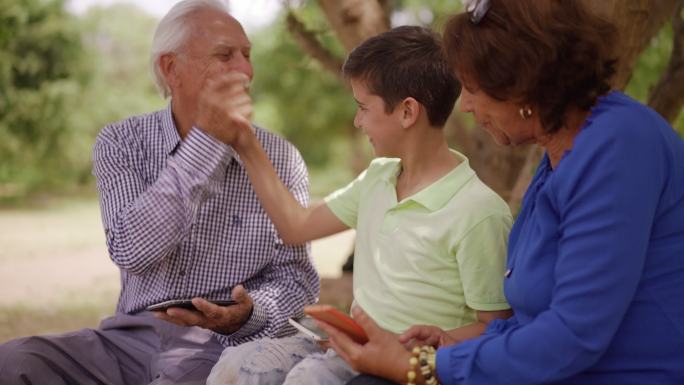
340 342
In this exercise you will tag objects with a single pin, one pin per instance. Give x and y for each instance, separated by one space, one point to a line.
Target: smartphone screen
308 326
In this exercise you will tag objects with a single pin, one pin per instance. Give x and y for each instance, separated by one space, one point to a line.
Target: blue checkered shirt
181 220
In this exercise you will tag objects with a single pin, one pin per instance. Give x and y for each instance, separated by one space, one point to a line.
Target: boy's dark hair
552 54
406 62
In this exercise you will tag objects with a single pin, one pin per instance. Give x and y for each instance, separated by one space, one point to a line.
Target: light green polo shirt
433 258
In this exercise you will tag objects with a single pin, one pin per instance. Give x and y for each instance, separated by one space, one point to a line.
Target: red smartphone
336 318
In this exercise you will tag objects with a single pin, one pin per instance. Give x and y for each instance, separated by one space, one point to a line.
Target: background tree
507 170
62 78
42 72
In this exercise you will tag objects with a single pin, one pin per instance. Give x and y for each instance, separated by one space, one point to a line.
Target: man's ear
409 112
168 64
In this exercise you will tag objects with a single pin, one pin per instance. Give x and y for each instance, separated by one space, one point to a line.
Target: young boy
431 237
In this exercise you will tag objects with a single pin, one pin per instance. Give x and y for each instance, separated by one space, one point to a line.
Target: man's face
217 45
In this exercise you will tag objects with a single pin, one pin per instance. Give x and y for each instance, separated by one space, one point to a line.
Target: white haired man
181 221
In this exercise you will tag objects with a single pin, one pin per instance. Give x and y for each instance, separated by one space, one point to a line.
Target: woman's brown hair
550 54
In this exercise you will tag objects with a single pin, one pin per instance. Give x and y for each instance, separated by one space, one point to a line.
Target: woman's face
501 119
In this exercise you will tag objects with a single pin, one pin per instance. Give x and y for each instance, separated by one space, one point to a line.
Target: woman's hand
383 355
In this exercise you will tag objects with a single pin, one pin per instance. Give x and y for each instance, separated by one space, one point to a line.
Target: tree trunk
355 20
667 97
637 22
508 170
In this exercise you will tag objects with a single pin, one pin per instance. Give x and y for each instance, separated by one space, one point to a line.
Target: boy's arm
458 335
437 337
295 223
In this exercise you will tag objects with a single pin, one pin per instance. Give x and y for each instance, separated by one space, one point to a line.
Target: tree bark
307 40
667 97
354 21
637 21
509 170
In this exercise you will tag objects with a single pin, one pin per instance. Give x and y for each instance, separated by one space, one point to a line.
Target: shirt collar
172 139
170 134
436 195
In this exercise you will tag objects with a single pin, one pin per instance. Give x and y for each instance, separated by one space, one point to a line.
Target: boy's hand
224 108
420 335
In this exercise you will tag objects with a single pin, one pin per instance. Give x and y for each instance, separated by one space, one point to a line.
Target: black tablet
186 304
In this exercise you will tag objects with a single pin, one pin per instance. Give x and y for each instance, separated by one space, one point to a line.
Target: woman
595 270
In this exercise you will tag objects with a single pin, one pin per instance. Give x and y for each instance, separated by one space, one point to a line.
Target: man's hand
221 319
224 108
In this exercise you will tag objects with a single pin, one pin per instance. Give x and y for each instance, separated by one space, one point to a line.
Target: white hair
172 33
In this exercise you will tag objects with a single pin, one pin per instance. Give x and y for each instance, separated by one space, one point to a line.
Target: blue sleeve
605 194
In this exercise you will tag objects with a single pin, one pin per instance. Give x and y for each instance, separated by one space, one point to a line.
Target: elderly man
182 222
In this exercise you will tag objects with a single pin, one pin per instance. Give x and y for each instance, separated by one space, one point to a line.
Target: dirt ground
56 258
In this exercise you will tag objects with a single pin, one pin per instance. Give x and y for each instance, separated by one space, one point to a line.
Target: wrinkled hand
383 355
420 335
224 107
221 319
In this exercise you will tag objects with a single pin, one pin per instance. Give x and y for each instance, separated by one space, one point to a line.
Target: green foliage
297 98
42 72
62 78
118 39
432 13
649 68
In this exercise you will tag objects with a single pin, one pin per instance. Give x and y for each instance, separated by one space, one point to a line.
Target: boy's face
383 129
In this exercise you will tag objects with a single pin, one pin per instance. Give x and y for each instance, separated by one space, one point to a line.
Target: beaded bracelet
425 356
413 362
427 364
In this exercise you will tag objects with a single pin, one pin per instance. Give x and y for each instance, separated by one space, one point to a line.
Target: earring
525 112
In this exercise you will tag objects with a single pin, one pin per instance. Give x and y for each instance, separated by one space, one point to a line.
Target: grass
19 320
54 272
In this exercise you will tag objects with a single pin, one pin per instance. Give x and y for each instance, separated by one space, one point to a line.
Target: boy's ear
409 112
169 69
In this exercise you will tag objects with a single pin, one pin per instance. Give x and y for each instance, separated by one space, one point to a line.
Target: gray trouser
124 350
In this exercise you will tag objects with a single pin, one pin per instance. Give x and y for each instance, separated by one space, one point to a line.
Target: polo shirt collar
436 195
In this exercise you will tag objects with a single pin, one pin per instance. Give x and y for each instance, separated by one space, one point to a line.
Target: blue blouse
595 264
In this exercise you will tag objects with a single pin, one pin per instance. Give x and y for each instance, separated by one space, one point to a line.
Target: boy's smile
372 118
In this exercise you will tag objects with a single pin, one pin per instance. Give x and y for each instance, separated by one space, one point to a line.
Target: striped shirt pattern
181 220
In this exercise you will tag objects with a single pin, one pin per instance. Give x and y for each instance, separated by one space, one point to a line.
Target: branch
667 97
307 40
354 21
637 21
